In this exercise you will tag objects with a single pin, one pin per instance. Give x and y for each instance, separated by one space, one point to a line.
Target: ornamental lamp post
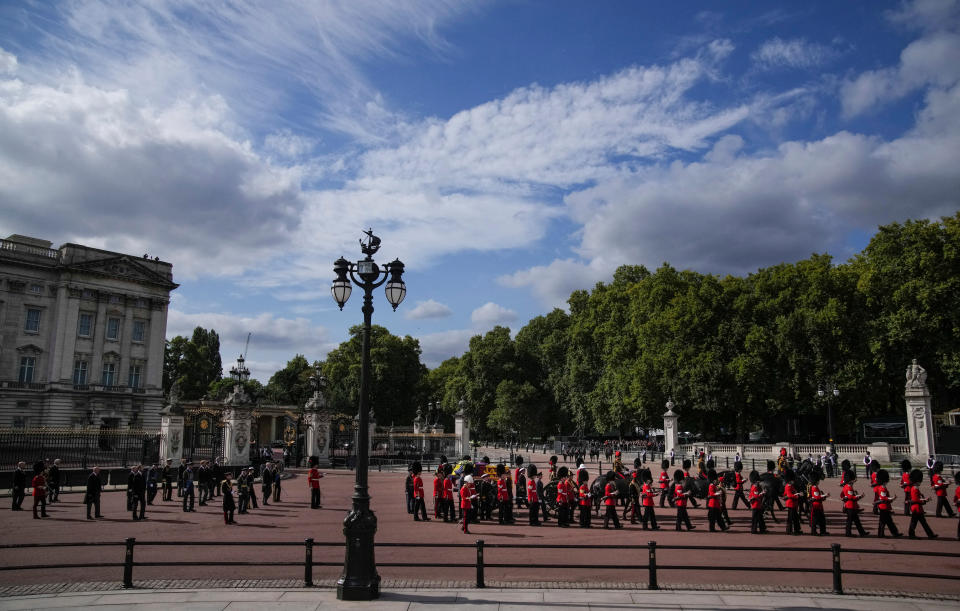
359 580
824 391
238 372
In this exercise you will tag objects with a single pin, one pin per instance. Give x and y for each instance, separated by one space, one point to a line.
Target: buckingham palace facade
82 335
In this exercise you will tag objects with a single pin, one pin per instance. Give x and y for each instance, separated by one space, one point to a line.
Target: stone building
82 334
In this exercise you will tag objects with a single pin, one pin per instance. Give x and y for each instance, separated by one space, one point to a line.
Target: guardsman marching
664 482
818 519
686 475
792 500
313 482
680 497
635 487
647 494
563 520
885 504
714 502
533 501
872 470
905 468
940 485
757 524
738 482
610 494
850 499
467 494
503 496
419 504
449 514
917 501
438 491
585 504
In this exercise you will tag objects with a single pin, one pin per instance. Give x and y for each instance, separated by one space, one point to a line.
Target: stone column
371 429
671 438
919 415
461 428
318 428
237 408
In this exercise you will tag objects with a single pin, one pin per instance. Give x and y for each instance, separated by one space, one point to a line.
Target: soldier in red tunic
851 505
680 500
885 505
917 502
438 491
956 501
533 501
563 519
647 494
39 484
419 503
905 468
664 482
467 494
792 500
714 493
940 486
449 514
757 524
585 505
503 496
610 494
313 482
818 519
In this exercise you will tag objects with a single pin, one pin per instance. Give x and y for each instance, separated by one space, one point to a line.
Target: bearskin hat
754 477
874 465
636 463
771 466
686 464
563 472
447 469
710 464
485 460
416 467
646 476
553 460
813 476
443 458
789 475
938 467
712 475
518 460
38 467
738 467
678 476
845 465
849 475
905 465
501 469
314 461
916 476
611 476
664 464
531 470
882 476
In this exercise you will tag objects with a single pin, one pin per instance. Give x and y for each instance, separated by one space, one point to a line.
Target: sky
507 151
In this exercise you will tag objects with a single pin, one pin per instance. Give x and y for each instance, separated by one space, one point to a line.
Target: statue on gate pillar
237 408
671 436
171 427
919 414
317 420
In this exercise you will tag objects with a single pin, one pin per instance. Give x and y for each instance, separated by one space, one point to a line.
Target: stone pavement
492 599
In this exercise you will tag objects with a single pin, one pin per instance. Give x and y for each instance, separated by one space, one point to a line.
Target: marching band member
503 496
647 493
757 523
818 519
905 468
585 504
680 500
792 499
940 486
714 516
884 504
610 494
738 485
664 481
533 501
467 494
917 501
850 497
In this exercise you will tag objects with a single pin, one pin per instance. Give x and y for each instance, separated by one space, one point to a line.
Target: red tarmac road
292 520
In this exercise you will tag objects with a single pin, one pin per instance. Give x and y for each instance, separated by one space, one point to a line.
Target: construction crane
247 346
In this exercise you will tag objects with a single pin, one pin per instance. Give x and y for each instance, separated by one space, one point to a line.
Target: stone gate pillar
318 428
919 415
671 436
237 408
461 427
171 433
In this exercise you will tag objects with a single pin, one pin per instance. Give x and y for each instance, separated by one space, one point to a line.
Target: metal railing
79 447
651 568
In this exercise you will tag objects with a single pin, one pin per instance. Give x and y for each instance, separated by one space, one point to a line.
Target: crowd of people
466 494
208 480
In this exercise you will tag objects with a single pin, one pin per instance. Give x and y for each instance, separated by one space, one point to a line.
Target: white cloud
553 283
491 314
428 309
8 62
794 53
438 347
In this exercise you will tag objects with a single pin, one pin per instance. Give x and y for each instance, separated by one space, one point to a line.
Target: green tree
194 364
291 385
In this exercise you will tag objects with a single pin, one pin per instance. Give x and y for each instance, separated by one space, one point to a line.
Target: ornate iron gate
203 435
343 437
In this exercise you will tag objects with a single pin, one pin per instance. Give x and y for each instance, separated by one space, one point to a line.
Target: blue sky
508 152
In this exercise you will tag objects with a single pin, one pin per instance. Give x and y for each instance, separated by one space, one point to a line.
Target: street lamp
359 580
825 391
239 372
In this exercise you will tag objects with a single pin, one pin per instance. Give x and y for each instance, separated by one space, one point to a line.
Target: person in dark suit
138 493
167 475
19 490
92 497
53 482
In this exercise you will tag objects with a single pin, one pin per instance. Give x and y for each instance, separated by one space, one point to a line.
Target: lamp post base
359 580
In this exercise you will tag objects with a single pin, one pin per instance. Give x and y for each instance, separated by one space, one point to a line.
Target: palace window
113 328
85 324
27 366
79 372
135 373
36 288
139 330
32 324
109 377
